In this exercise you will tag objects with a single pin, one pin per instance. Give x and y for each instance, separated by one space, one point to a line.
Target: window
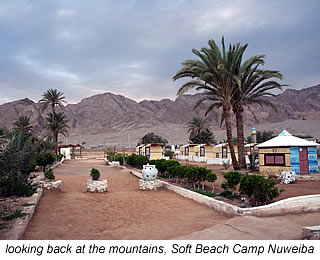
217 155
202 151
274 159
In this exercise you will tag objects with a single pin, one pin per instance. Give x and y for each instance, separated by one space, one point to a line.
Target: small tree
211 177
44 159
232 181
152 138
259 189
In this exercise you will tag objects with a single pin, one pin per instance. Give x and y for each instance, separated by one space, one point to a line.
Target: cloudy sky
133 48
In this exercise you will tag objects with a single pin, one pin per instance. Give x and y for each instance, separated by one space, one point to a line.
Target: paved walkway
288 227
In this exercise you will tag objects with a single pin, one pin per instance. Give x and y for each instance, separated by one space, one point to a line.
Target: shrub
15 186
211 177
137 160
168 153
32 165
232 180
49 174
44 159
95 174
119 158
206 193
259 189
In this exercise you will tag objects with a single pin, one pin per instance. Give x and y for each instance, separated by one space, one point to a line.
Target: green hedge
256 188
137 160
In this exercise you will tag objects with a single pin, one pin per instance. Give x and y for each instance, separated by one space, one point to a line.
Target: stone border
301 204
21 224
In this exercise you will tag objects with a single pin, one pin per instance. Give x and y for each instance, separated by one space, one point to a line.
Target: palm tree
53 98
255 86
58 126
214 74
23 125
199 129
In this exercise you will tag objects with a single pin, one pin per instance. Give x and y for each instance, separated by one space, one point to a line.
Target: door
140 150
303 158
224 152
202 151
187 151
148 152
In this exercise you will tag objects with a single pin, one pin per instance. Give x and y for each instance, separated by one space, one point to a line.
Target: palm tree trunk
227 118
239 119
53 113
55 140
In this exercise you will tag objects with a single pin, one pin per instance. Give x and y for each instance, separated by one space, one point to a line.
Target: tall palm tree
255 86
58 126
23 125
52 98
214 74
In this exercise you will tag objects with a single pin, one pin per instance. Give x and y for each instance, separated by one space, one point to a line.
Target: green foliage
206 193
16 186
199 131
169 154
204 137
211 177
95 174
137 160
152 138
32 165
16 152
49 174
16 214
258 189
232 180
119 158
228 195
23 125
44 159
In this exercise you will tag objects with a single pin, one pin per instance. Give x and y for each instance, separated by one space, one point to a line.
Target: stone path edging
21 223
301 204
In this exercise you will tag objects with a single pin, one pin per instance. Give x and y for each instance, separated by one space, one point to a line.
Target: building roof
285 139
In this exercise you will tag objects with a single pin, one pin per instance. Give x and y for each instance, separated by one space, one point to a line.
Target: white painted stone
149 185
97 186
54 185
115 163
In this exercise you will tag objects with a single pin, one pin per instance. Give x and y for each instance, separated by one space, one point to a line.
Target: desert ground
124 212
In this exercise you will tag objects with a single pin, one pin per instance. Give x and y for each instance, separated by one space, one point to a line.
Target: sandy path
123 212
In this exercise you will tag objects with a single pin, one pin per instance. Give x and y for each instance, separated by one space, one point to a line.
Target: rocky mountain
110 115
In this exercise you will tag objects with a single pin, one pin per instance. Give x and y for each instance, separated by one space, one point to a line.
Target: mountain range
114 119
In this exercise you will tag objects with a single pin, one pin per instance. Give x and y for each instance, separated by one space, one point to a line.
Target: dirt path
123 212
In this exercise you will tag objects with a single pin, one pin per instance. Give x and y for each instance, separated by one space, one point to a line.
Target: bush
137 160
211 177
44 159
258 189
32 165
119 158
232 180
49 174
95 174
15 186
206 193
